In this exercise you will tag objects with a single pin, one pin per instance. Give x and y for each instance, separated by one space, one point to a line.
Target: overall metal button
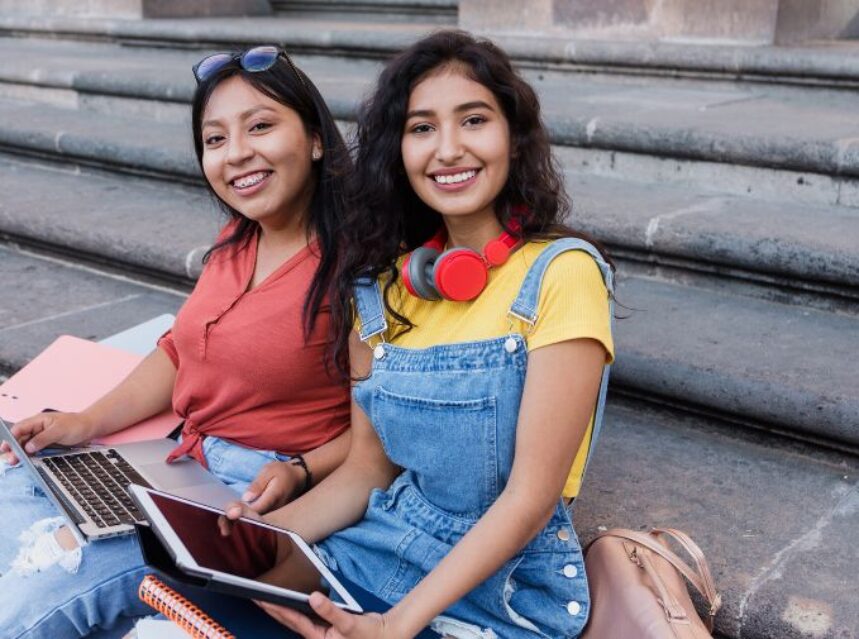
379 351
570 571
574 607
510 345
564 534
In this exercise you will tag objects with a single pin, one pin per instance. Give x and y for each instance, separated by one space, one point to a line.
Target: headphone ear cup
417 273
459 274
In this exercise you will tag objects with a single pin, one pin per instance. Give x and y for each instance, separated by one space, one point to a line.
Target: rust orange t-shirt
244 370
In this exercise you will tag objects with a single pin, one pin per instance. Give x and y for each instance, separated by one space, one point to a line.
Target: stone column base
743 21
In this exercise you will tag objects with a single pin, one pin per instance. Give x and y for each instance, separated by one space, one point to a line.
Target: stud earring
316 155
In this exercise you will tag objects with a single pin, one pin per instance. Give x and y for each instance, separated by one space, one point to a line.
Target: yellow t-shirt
573 304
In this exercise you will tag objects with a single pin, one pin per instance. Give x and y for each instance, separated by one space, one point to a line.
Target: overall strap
525 306
370 307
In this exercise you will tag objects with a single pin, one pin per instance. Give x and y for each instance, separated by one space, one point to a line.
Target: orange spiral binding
179 610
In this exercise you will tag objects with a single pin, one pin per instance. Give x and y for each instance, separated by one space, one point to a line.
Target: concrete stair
731 208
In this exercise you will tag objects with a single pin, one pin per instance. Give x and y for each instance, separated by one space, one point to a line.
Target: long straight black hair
283 84
387 218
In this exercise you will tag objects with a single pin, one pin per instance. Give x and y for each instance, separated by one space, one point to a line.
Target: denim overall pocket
449 446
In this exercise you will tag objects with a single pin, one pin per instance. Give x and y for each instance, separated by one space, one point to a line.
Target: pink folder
70 375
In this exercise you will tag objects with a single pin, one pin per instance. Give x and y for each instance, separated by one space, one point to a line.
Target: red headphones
458 274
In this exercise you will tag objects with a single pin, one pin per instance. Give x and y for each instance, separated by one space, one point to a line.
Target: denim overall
447 415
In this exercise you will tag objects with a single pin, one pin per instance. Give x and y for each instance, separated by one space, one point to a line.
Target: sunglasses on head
253 60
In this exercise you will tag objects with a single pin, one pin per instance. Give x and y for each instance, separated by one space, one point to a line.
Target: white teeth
455 178
249 180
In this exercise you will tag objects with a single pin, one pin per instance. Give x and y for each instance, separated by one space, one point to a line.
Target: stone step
776 520
152 228
784 368
310 35
831 64
654 466
828 64
98 139
791 245
783 251
152 83
427 11
161 230
741 140
42 298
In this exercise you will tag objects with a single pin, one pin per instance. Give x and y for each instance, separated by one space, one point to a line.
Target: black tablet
248 558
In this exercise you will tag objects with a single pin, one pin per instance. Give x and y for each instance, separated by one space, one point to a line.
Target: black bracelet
298 460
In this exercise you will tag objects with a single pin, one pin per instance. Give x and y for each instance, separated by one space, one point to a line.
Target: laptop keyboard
98 480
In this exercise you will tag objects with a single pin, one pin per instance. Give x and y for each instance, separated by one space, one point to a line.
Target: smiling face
257 154
456 144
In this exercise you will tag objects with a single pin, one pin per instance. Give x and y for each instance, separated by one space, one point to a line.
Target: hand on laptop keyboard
50 428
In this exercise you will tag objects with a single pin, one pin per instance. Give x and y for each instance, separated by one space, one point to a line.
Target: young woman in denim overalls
469 413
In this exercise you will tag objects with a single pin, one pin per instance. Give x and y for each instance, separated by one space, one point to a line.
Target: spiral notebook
214 612
179 610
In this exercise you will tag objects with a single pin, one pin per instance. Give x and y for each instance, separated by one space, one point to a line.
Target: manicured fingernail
30 448
249 496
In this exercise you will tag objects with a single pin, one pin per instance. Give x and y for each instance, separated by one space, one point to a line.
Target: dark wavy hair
287 84
387 217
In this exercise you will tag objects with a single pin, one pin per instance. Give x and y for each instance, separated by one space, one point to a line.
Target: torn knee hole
44 544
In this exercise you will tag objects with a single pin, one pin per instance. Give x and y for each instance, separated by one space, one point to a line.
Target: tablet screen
247 549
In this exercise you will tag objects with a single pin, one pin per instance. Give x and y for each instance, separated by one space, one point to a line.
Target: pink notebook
70 375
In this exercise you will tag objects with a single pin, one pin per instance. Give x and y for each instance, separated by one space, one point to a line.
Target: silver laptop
90 485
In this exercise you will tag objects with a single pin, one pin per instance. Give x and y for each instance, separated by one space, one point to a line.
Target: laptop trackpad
169 477
186 478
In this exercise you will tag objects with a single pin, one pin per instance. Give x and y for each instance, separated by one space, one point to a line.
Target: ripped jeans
66 599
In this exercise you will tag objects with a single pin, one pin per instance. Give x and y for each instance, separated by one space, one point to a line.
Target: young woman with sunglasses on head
482 370
244 364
